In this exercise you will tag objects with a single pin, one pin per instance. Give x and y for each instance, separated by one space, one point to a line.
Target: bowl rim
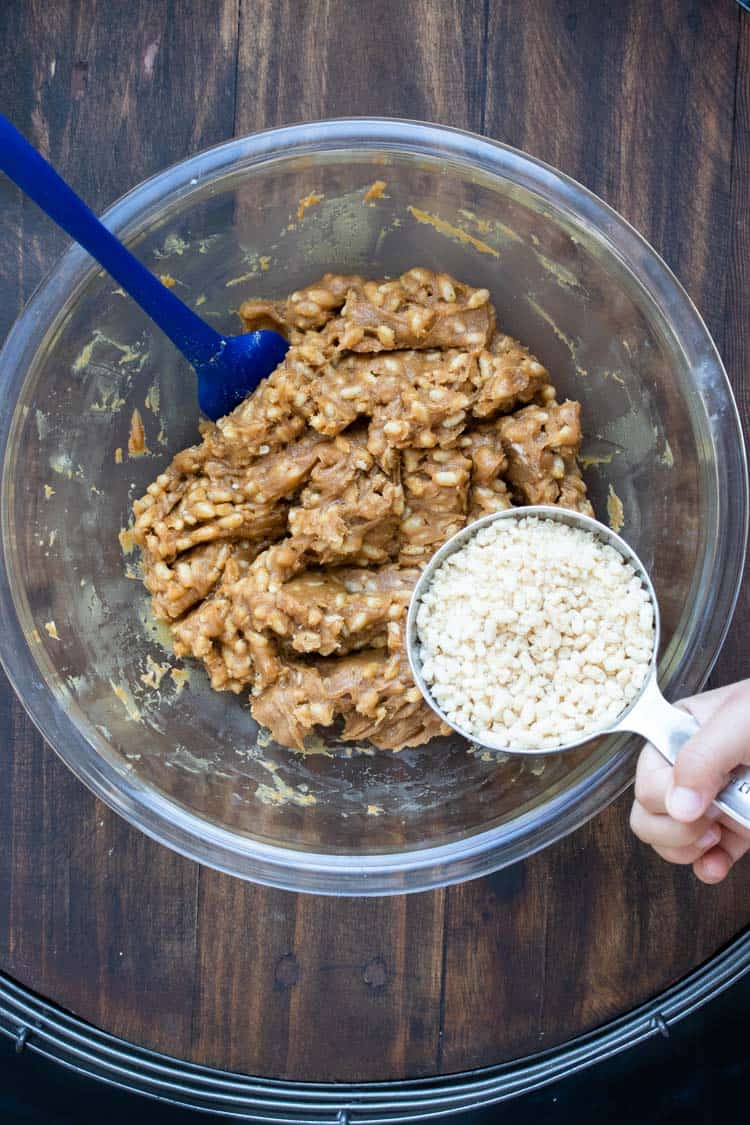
296 869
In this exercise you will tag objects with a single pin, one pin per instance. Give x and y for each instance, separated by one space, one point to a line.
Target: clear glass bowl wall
567 276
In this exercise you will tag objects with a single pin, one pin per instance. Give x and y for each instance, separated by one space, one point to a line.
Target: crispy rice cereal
534 634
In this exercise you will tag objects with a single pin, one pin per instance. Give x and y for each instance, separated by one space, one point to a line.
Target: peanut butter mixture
282 550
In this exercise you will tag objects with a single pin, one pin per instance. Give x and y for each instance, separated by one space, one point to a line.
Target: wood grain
649 105
111 102
322 987
300 60
94 914
635 101
734 662
558 941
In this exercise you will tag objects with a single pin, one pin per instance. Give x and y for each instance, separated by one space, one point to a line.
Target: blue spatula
228 367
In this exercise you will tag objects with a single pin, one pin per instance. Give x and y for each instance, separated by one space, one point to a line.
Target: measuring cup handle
668 728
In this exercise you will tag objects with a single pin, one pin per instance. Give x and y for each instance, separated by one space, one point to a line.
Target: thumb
705 762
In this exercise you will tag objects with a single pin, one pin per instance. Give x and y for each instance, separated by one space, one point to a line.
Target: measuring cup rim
460 540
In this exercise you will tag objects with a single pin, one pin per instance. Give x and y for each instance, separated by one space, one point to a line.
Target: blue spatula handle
31 172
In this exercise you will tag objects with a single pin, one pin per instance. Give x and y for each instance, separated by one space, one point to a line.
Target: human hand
672 808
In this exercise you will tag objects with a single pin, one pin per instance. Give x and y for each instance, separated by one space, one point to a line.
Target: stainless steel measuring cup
668 728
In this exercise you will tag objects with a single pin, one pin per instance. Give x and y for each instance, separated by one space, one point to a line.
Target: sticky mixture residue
364 751
48 492
118 455
155 673
109 403
280 793
83 359
587 460
666 457
375 191
153 398
173 246
615 510
282 549
571 345
374 810
561 273
484 226
137 436
259 264
315 745
308 201
444 227
263 739
51 630
61 464
127 701
129 353
179 677
239 280
167 280
499 757
127 542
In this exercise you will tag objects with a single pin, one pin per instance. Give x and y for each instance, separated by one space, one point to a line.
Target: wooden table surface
647 102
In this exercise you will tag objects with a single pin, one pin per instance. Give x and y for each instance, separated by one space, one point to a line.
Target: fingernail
684 804
708 839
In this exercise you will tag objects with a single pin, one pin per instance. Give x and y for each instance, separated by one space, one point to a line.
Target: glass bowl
567 276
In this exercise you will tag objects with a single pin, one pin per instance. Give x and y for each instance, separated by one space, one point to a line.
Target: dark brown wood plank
247 969
637 102
11 200
380 971
112 98
301 60
734 663
305 987
93 914
11 275
559 941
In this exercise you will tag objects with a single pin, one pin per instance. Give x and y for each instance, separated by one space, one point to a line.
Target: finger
654 774
703 706
713 867
653 777
731 825
663 831
715 864
705 762
682 856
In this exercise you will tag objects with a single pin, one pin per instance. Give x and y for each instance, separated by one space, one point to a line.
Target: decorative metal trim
38 1026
